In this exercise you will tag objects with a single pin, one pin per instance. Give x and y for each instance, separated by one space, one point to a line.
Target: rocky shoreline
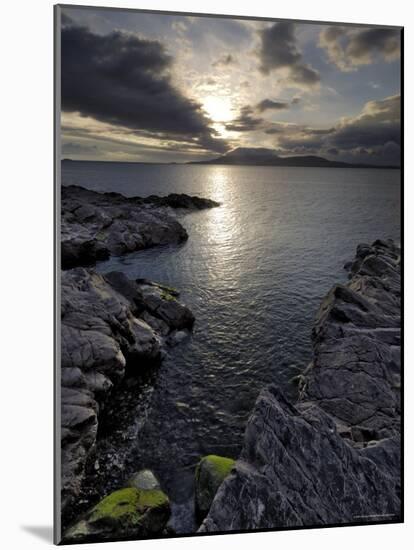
333 457
95 226
111 327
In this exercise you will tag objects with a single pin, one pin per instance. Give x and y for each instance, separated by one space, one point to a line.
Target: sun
218 108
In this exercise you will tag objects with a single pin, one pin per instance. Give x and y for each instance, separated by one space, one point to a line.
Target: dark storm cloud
124 80
383 41
266 104
374 132
245 122
348 48
279 50
377 125
249 119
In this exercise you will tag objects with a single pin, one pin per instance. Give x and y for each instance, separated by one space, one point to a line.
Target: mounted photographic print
228 274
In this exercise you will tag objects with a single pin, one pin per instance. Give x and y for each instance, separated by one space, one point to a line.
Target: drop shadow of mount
42 532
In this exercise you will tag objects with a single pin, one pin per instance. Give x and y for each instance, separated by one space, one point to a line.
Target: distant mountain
260 156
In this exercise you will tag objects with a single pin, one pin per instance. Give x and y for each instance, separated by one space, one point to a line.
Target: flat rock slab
95 226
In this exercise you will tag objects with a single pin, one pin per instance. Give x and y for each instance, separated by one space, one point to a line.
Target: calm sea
253 272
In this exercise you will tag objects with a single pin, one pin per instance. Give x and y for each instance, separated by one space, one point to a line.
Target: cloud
75 148
225 60
246 121
374 132
98 140
122 79
347 48
249 119
266 104
279 50
377 125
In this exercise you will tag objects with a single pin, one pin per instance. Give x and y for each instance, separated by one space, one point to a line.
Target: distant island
260 156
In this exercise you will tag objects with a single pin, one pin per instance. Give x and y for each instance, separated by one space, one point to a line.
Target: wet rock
127 513
95 226
180 200
104 332
210 474
163 305
177 337
335 456
144 479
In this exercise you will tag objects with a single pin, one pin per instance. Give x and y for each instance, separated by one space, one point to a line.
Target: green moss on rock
210 473
221 465
167 296
120 505
127 512
170 290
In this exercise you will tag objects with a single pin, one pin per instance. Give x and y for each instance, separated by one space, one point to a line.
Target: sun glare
218 108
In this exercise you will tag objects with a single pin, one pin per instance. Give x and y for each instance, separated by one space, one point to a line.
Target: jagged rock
109 323
295 470
355 373
95 225
126 513
335 456
210 474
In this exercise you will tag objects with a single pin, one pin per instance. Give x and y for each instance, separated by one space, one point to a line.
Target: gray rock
104 330
355 373
144 479
295 470
95 226
335 456
211 471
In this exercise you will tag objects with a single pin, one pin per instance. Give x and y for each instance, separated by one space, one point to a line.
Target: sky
140 87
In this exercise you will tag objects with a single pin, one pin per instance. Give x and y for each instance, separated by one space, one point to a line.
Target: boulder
210 474
144 480
126 513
